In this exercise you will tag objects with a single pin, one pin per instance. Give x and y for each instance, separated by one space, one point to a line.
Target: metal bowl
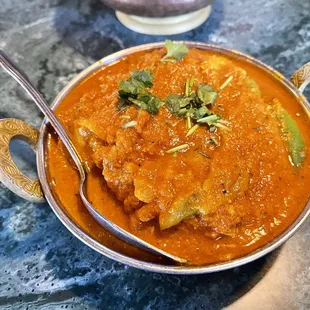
300 79
157 8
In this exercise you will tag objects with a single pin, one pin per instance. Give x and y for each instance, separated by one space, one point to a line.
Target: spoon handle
23 80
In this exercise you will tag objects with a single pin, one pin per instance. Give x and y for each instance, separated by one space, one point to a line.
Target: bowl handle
10 175
301 78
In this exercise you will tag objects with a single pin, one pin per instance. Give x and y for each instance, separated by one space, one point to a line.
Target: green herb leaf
175 103
146 101
188 86
175 51
192 130
226 82
209 119
206 94
132 87
184 112
134 91
140 104
201 112
122 104
145 76
178 148
138 81
153 103
214 141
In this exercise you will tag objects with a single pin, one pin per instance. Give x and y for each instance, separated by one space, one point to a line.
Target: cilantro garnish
193 105
133 91
206 94
175 51
138 81
177 103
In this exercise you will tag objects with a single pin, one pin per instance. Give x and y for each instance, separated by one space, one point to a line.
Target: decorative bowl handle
10 175
301 78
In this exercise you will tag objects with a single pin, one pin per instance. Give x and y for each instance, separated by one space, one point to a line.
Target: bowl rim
145 265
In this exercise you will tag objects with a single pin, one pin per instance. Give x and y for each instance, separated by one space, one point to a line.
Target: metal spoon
23 80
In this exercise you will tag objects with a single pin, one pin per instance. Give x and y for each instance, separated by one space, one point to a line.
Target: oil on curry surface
202 155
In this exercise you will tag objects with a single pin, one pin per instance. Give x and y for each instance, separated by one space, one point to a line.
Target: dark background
42 266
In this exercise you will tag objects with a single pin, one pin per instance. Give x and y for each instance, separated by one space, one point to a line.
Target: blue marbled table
42 266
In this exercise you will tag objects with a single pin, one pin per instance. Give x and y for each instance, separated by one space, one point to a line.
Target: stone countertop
42 265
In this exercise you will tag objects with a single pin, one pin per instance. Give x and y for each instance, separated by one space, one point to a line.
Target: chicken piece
144 190
148 212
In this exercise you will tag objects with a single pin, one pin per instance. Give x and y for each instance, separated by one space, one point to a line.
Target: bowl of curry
199 150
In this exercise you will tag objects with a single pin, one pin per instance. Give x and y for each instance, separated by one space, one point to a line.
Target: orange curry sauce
250 189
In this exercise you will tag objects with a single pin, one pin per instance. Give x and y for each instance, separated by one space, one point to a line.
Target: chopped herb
209 119
219 125
188 86
192 81
146 101
145 76
206 94
122 104
205 155
154 104
201 112
130 124
133 91
175 51
188 122
140 104
222 121
214 141
185 111
138 81
175 103
178 148
193 106
226 82
213 129
192 130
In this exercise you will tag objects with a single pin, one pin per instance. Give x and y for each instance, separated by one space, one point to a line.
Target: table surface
42 266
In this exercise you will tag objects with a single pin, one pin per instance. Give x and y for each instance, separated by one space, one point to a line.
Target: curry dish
200 154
